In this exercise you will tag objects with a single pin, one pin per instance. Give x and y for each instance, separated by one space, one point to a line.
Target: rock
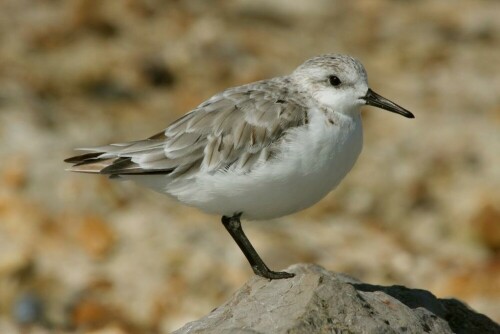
319 301
96 236
28 308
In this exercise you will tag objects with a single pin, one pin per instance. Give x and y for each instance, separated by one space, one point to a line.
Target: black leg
233 226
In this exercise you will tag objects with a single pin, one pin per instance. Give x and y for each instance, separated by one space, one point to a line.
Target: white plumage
257 151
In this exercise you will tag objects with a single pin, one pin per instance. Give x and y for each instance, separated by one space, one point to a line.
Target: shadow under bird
258 151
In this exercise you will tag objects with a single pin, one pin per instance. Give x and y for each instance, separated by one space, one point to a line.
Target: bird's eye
334 80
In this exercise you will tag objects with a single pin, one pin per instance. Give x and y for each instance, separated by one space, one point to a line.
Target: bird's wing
232 130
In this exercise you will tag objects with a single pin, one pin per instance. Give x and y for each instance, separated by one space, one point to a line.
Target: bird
258 151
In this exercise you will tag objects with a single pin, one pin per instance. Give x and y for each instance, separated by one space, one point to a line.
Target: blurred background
421 207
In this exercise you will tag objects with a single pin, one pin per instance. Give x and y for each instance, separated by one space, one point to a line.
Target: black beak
373 99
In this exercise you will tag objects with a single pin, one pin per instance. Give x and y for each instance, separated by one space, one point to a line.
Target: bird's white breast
315 159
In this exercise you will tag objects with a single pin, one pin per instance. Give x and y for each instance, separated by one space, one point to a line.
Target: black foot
269 274
233 226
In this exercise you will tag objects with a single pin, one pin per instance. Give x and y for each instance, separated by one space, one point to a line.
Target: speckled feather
263 150
232 130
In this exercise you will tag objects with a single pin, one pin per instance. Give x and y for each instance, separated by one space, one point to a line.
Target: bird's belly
312 165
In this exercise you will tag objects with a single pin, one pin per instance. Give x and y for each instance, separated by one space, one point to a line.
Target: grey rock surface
319 301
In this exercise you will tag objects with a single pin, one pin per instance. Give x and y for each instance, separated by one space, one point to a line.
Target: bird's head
340 82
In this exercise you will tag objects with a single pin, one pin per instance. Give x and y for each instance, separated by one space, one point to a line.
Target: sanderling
257 151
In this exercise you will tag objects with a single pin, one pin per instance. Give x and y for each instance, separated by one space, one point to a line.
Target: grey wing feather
232 130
